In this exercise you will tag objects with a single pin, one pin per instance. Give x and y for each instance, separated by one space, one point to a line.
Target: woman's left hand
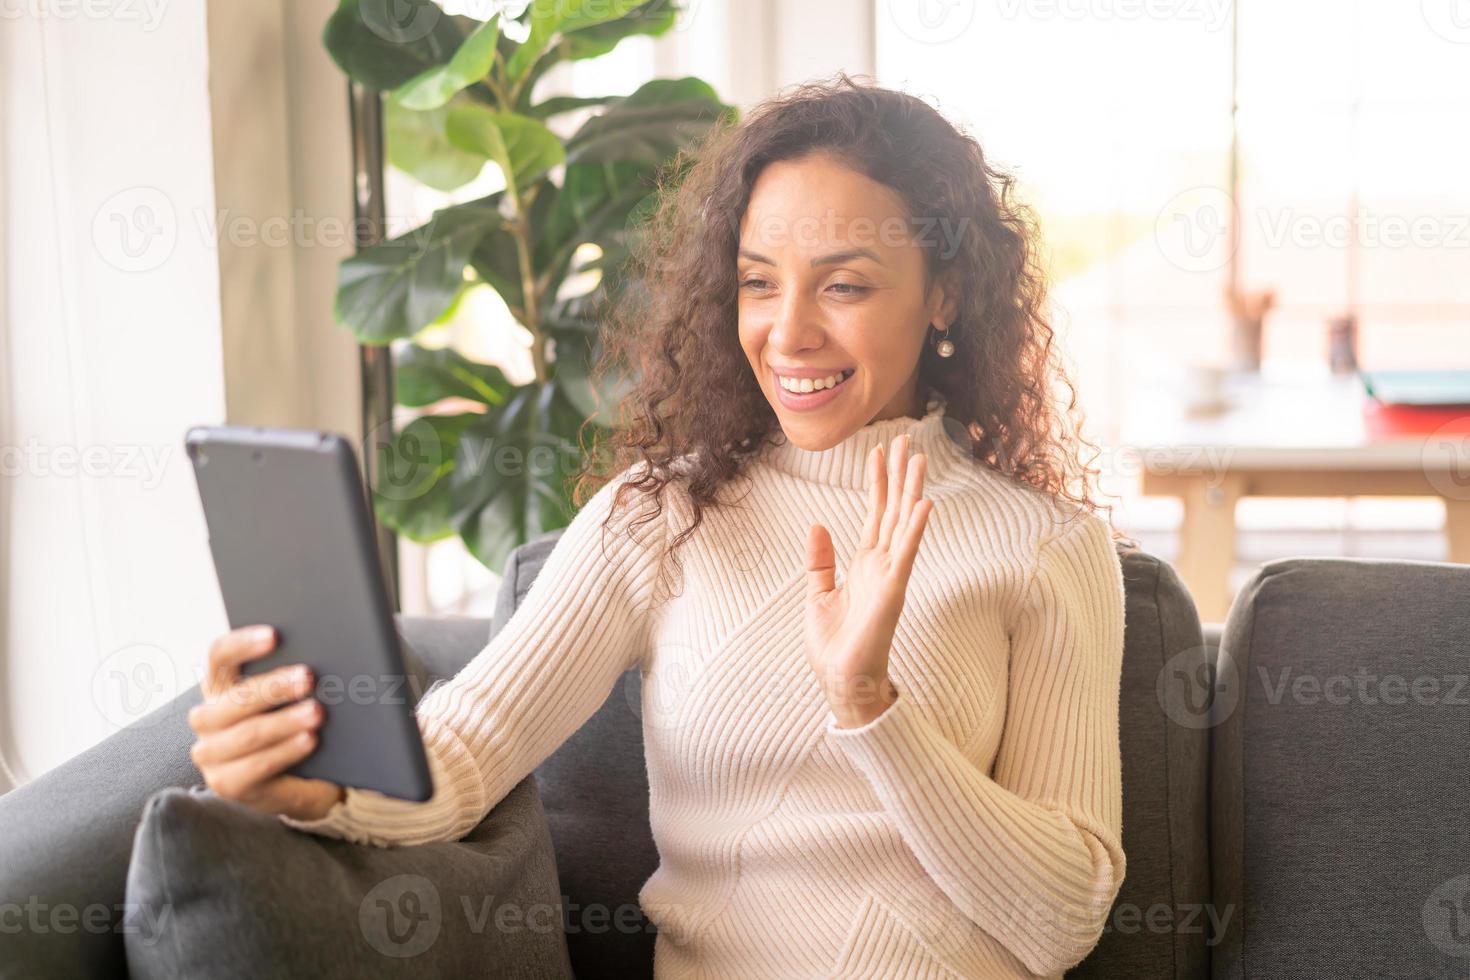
849 628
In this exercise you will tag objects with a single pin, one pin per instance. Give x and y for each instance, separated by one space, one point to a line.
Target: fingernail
306 709
262 634
301 673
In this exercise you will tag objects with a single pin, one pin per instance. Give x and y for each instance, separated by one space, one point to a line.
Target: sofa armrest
69 833
68 837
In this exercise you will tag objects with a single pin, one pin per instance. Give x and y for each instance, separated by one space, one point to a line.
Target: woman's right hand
243 747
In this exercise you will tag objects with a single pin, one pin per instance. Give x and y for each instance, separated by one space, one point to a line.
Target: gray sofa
1269 832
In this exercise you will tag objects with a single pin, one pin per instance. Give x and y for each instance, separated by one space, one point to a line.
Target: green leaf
413 494
652 19
511 477
651 125
436 86
576 353
396 288
382 44
548 19
594 206
423 377
583 14
523 147
418 145
497 262
566 103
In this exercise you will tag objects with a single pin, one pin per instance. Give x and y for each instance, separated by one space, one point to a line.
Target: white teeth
802 385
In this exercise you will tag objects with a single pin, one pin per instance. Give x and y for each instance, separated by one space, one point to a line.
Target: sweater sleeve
580 626
1030 852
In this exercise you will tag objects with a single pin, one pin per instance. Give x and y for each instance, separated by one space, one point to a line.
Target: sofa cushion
1340 765
1160 924
224 890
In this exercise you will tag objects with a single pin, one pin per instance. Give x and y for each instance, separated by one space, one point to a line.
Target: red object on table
1390 421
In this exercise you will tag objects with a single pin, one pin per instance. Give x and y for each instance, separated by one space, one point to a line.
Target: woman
911 768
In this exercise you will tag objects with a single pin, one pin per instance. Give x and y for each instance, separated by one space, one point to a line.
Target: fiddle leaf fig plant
489 460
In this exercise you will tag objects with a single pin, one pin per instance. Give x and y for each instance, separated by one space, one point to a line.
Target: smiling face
832 309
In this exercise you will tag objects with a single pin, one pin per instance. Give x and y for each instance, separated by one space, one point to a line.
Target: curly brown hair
696 413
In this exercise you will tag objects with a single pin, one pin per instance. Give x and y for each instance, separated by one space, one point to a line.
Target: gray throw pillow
218 890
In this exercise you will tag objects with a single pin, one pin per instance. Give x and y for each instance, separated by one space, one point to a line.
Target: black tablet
294 547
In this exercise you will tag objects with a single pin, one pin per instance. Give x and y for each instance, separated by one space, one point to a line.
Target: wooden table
1294 433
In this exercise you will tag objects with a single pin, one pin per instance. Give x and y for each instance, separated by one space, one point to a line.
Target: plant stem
531 288
497 72
520 229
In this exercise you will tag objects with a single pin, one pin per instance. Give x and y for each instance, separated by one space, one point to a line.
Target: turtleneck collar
844 464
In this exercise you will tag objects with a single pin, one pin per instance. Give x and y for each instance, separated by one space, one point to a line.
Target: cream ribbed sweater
971 830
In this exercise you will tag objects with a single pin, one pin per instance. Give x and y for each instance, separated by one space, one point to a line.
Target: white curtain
109 350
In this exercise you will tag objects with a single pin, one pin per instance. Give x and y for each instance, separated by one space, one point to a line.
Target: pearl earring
945 347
